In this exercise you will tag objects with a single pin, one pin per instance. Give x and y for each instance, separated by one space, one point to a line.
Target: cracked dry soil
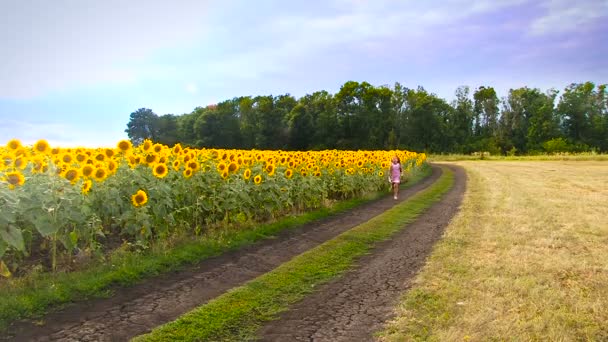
136 310
353 307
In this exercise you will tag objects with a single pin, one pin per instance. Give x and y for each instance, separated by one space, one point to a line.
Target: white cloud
564 16
53 45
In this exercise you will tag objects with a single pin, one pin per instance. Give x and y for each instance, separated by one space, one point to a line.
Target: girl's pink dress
395 173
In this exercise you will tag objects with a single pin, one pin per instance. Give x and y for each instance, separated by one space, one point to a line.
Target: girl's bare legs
395 190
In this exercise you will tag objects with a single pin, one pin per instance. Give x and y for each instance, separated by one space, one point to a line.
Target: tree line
363 116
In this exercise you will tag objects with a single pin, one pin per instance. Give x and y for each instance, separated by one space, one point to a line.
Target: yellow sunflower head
151 158
221 166
13 145
157 148
160 170
42 146
20 163
139 198
288 173
257 179
233 167
188 172
124 146
87 170
147 145
193 165
86 186
14 179
270 168
72 175
109 152
247 174
112 165
100 174
81 157
176 165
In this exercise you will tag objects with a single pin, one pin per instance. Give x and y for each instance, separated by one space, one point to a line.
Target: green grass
31 296
237 314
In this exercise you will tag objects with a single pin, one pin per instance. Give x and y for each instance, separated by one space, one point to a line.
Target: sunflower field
59 201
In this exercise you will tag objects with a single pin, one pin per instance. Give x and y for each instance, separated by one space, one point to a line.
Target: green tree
301 128
167 130
143 124
583 112
460 123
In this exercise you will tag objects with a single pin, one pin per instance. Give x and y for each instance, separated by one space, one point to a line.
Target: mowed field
526 259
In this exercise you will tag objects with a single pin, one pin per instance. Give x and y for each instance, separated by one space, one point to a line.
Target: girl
395 171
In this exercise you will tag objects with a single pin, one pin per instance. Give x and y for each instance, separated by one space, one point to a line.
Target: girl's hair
398 160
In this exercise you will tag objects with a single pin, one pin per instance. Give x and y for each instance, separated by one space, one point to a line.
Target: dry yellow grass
526 259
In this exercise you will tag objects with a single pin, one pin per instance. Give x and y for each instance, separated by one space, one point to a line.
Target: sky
72 72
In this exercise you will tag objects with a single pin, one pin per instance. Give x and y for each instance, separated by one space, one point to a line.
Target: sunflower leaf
12 235
3 248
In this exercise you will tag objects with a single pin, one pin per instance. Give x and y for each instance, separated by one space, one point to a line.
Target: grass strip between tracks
237 314
31 296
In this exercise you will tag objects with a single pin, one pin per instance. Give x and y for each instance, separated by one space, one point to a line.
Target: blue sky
72 71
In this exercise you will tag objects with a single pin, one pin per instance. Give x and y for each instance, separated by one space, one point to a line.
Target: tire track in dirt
353 307
136 310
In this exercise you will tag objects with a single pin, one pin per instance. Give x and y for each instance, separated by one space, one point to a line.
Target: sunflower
124 146
42 146
100 157
13 144
188 173
87 170
151 158
139 198
112 166
100 174
288 173
160 170
233 167
224 174
147 145
157 148
270 168
55 151
177 149
72 175
381 173
193 165
37 165
221 167
257 179
317 174
176 165
86 186
247 174
20 163
109 152
14 178
81 157
66 158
